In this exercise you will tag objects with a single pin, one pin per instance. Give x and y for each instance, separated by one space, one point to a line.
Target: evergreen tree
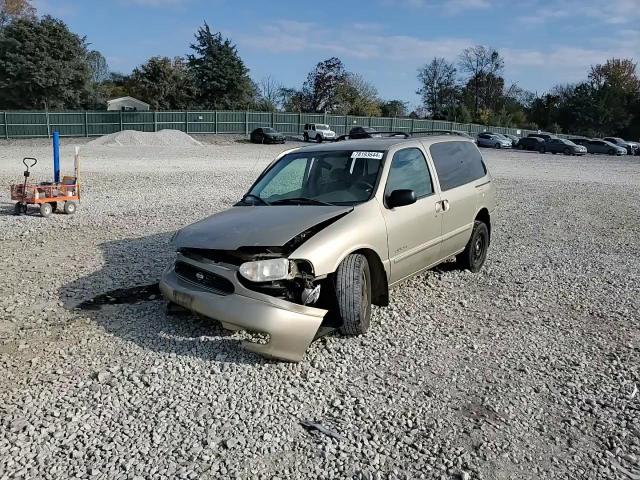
221 78
42 63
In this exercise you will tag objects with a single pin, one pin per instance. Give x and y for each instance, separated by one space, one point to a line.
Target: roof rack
442 132
386 135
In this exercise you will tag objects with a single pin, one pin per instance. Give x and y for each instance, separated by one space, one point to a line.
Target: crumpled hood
254 226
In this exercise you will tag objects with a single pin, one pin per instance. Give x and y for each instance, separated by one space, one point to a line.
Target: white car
318 132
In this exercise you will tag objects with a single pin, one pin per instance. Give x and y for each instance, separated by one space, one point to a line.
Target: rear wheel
305 136
46 209
567 151
70 208
353 294
19 209
475 253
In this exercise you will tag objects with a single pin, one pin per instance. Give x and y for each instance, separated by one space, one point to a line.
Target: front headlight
268 270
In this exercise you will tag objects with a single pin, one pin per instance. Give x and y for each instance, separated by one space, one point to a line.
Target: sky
544 42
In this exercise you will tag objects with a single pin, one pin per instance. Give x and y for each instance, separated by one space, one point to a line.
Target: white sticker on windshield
376 155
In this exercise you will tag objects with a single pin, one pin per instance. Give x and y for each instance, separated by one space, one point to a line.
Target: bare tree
11 9
484 67
269 93
438 86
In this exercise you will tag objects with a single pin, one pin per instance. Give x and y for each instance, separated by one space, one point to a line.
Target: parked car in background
266 135
631 150
318 132
561 145
530 143
493 140
601 146
514 139
581 141
544 136
326 231
363 132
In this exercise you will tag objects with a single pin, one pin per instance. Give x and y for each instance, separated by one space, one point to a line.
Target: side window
457 163
409 171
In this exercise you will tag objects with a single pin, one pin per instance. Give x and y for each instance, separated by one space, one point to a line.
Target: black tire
611 152
498 146
475 253
305 137
567 151
46 209
353 294
70 207
319 138
19 209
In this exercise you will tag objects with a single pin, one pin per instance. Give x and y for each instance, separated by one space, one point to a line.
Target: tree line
45 65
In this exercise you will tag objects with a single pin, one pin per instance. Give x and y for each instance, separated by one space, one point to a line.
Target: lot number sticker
376 155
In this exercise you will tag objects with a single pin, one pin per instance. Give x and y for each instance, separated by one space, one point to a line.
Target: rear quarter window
457 163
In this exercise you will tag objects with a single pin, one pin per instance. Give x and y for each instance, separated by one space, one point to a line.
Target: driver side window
409 171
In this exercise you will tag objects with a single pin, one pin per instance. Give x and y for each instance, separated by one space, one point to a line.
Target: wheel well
484 217
379 284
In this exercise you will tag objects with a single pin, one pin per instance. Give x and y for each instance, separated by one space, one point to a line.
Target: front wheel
498 146
475 253
19 209
305 137
319 138
353 294
567 151
611 152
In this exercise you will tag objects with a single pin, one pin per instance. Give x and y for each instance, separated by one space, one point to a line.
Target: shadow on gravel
124 299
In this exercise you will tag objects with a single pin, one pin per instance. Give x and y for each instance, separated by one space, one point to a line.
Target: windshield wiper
300 200
255 197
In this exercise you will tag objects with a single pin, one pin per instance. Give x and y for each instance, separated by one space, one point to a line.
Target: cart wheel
45 209
69 208
19 209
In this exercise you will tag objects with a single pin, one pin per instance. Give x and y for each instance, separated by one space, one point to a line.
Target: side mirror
400 198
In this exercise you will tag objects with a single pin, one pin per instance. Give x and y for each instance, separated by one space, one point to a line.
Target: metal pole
272 124
56 156
48 124
186 121
121 124
6 127
155 121
86 123
246 122
413 121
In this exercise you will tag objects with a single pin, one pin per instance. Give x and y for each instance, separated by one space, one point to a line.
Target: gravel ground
529 369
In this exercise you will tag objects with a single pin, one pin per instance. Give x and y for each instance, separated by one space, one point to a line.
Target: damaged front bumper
291 327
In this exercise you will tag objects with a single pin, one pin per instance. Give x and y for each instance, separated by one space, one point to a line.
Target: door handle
442 206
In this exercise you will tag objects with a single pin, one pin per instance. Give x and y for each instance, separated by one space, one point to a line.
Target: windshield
340 177
569 142
322 127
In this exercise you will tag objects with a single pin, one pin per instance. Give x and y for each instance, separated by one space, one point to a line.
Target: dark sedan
530 143
363 132
581 141
266 135
628 146
561 145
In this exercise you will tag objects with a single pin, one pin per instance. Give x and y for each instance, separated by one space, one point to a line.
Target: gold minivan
325 232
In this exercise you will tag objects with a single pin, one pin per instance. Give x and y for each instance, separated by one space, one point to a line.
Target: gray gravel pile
162 138
529 369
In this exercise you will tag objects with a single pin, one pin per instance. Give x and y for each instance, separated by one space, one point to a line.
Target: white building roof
129 99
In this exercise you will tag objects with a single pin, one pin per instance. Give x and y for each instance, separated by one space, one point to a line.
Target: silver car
326 231
493 140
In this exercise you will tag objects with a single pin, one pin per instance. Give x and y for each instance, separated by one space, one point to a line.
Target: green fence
30 124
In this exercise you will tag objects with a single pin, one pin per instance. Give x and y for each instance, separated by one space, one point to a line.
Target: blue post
56 156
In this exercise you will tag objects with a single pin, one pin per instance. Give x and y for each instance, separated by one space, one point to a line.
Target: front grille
205 279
